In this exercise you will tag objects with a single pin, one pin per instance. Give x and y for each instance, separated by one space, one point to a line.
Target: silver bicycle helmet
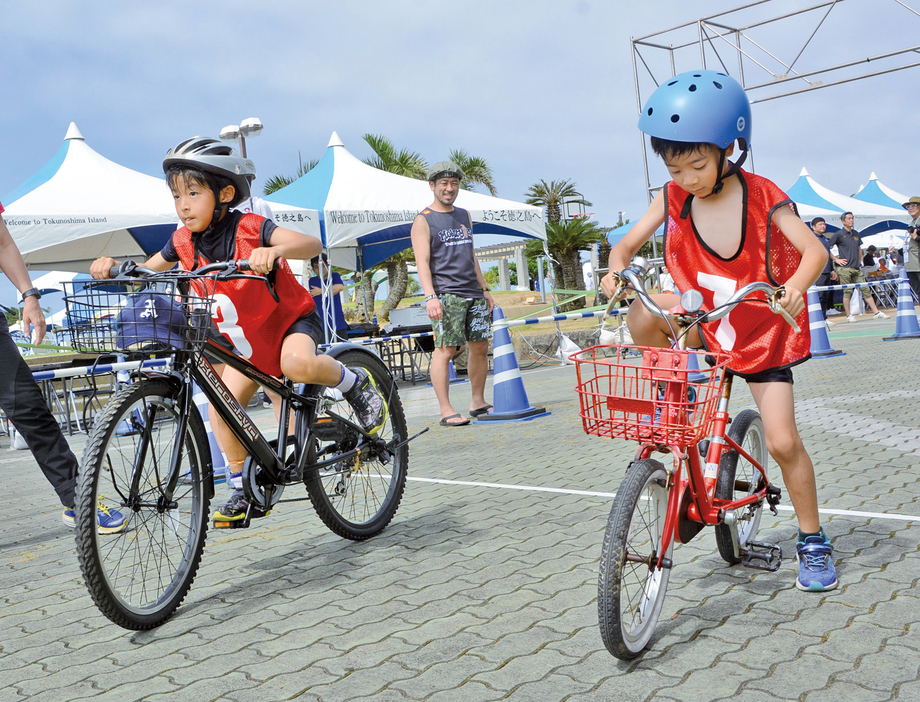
214 157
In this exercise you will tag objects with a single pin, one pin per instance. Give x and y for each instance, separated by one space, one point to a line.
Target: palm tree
277 182
564 241
475 171
551 196
387 158
405 163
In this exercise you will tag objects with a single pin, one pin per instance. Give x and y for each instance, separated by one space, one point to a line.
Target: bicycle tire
140 576
747 431
358 498
630 594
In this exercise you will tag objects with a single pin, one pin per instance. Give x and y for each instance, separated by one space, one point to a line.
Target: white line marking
590 493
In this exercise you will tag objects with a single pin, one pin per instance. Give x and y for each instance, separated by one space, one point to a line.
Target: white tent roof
81 205
813 200
367 211
879 193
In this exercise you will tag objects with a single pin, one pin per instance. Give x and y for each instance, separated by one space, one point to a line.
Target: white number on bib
722 289
227 321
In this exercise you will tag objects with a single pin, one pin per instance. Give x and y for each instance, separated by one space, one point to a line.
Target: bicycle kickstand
762 555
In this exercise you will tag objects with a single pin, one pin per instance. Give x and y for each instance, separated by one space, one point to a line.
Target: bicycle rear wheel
357 497
738 478
138 577
631 588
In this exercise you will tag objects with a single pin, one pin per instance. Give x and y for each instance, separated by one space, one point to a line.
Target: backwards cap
699 107
445 169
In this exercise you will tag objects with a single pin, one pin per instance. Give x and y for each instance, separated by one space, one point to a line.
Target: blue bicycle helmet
699 106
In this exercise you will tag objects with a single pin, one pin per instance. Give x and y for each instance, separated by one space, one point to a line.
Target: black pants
914 278
825 297
24 405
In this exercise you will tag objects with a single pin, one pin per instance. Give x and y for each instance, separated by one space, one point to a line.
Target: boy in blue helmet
727 228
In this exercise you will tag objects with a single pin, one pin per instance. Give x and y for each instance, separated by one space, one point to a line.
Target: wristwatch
32 292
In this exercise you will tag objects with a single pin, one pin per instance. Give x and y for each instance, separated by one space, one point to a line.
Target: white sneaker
832 312
828 322
880 315
851 318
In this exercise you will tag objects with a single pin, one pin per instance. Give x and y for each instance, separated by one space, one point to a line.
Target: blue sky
542 90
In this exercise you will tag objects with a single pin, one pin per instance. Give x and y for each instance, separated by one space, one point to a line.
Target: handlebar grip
789 318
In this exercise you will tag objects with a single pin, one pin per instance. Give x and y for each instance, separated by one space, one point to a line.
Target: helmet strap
733 169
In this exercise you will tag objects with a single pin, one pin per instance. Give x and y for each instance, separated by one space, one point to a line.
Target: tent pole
552 282
326 299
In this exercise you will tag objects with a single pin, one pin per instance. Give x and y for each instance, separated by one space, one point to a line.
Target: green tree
565 241
405 163
475 171
551 196
387 158
277 182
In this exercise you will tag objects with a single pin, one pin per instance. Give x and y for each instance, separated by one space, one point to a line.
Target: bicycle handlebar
692 300
132 270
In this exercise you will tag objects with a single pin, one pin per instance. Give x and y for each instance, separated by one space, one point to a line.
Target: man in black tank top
457 298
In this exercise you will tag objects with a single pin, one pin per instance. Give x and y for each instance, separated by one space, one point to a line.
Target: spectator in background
320 266
848 265
828 275
912 245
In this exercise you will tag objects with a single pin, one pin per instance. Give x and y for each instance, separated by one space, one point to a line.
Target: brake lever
779 309
243 265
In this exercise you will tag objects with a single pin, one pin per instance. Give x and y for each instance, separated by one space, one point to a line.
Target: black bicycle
149 457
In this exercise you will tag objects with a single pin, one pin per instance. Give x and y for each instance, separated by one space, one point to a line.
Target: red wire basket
652 397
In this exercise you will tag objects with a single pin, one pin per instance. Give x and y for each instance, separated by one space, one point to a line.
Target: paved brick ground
479 592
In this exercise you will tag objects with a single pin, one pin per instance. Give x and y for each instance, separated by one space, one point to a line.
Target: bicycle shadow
325 561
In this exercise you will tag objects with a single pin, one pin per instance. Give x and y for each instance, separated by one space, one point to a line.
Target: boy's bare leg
478 369
301 363
777 409
242 388
647 329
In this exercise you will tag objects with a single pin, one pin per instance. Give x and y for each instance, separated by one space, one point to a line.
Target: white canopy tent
81 206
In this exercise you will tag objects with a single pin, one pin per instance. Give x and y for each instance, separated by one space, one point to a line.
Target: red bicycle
671 403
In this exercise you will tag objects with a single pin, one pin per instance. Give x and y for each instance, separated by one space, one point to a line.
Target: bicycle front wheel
631 587
738 478
139 575
357 497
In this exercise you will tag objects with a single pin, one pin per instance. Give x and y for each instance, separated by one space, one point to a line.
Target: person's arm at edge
15 269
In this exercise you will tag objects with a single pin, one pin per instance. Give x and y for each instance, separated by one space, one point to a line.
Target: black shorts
309 324
771 375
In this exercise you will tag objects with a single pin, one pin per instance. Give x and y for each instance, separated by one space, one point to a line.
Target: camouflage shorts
463 319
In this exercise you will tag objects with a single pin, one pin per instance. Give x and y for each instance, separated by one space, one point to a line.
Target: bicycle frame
703 508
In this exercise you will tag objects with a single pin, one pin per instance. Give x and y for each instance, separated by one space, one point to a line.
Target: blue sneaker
816 564
110 521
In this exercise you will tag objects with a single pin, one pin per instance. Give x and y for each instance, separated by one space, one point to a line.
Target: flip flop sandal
445 423
481 410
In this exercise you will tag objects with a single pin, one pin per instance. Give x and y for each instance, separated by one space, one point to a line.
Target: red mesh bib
757 339
244 311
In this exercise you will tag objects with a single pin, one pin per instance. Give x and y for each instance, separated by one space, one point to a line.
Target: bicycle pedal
762 556
236 524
